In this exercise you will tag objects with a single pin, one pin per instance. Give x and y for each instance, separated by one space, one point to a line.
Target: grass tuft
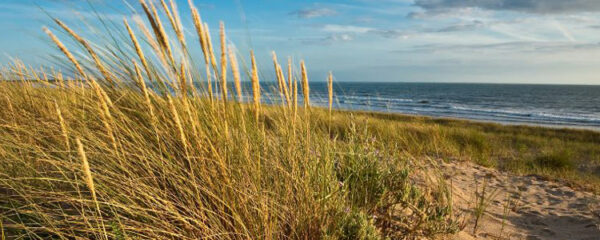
556 161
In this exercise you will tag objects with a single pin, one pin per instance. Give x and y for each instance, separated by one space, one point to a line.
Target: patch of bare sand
521 207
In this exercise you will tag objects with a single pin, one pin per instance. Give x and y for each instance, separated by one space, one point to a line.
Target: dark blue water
558 105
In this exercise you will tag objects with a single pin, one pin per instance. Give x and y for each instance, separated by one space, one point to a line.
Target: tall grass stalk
330 91
90 182
223 71
255 86
289 76
202 36
237 83
67 53
105 72
139 51
305 86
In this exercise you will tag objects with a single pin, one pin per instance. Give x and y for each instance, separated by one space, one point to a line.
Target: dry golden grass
159 157
89 180
255 86
330 91
139 52
223 71
65 51
305 86
237 82
105 73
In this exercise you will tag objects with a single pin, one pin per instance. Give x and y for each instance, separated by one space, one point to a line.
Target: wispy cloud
531 6
505 47
352 30
314 12
329 39
441 13
566 33
347 32
345 28
476 24
344 37
390 33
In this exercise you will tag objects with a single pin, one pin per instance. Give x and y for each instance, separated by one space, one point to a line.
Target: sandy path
538 210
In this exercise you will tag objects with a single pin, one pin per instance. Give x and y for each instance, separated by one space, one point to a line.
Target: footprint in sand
541 210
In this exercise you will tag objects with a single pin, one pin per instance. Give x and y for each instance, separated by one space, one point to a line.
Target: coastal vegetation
141 140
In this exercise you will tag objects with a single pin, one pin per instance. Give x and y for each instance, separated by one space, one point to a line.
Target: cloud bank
529 6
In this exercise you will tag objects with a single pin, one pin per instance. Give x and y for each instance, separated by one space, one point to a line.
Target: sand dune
538 209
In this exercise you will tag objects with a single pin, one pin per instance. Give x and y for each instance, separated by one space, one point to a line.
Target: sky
489 41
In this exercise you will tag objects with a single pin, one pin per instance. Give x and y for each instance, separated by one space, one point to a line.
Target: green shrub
354 225
358 169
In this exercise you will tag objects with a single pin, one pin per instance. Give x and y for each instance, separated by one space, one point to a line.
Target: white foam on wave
427 107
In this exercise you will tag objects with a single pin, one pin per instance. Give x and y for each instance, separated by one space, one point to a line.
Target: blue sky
499 41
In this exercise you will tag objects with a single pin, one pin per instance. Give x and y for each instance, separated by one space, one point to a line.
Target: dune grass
571 156
138 142
141 140
182 173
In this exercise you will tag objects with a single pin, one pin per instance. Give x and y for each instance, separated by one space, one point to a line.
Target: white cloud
530 6
314 12
345 28
390 33
344 37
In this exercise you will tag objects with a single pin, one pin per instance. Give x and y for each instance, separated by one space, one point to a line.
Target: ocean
551 105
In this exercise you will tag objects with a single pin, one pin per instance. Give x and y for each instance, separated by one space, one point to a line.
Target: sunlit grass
137 142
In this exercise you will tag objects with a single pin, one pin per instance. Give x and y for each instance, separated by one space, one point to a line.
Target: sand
538 209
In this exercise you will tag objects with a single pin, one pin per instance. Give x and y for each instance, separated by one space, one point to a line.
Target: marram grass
139 144
135 141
